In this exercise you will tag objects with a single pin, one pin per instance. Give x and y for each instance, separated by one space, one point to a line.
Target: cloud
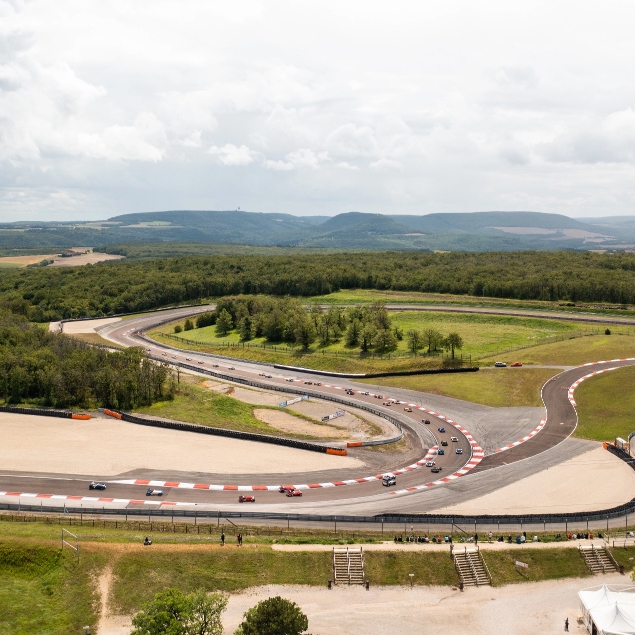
145 140
145 105
385 164
231 155
352 141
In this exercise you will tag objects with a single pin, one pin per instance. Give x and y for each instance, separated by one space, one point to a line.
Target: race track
534 442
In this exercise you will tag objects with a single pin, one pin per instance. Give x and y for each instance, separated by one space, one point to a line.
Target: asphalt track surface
362 498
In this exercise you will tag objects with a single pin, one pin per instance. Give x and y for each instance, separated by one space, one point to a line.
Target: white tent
609 610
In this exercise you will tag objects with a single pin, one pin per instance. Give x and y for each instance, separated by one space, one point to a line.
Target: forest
43 294
39 367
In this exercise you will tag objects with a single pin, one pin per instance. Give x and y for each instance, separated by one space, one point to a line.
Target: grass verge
45 591
574 351
605 405
497 388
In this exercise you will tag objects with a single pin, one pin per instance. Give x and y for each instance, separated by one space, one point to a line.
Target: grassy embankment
45 591
196 404
605 405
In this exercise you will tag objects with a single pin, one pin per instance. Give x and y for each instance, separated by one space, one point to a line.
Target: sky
316 108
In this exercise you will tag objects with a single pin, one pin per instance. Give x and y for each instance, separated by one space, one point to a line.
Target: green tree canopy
274 616
171 612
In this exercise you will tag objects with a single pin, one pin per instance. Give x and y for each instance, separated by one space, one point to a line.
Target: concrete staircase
471 567
348 566
598 559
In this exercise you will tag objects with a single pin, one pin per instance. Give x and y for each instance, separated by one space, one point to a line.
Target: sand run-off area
592 481
515 609
109 447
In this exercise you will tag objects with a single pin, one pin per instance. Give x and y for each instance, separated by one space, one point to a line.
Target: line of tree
366 327
433 340
56 370
46 294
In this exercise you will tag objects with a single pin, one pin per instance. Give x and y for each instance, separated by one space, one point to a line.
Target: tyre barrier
45 412
246 436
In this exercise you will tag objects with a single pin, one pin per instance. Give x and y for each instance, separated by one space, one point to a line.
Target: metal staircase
598 559
471 567
348 566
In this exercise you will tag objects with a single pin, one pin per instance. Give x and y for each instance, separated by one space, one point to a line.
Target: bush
178 328
607 332
274 616
189 325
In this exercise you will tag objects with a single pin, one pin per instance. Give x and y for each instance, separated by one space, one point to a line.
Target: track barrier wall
44 412
246 436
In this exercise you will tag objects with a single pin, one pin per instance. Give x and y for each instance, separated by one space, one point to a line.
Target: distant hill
479 231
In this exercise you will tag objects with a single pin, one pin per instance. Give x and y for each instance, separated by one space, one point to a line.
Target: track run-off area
540 440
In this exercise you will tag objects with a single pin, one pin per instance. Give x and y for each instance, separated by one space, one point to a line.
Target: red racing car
246 499
286 488
294 492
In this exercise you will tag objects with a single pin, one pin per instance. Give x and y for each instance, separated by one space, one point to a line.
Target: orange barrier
605 445
354 444
84 417
116 415
336 452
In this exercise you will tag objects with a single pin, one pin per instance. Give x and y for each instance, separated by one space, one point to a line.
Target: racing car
95 485
154 492
294 492
246 499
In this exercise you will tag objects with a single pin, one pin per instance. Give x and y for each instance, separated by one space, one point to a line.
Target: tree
178 328
189 325
224 322
352 332
415 341
171 612
432 338
274 616
366 336
453 341
245 327
304 331
385 341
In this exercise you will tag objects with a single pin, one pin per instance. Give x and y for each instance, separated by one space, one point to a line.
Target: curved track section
560 422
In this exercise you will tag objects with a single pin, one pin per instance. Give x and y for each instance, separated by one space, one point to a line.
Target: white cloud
232 155
385 164
145 140
351 106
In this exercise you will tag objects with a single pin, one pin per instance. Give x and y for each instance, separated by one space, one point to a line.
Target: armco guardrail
295 391
389 518
220 432
400 373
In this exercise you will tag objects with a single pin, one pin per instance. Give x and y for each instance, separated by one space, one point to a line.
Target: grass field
195 404
575 351
45 591
484 336
497 388
94 338
605 405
